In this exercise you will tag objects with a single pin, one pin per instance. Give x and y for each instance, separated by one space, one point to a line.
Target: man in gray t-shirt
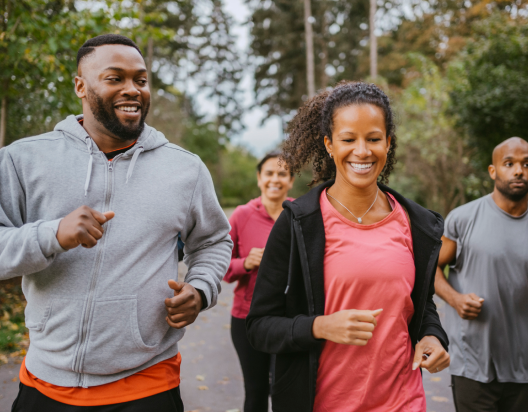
486 246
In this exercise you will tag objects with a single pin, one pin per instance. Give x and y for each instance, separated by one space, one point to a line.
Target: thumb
475 297
417 357
109 215
176 286
376 312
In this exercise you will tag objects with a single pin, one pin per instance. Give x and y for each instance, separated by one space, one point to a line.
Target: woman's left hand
438 359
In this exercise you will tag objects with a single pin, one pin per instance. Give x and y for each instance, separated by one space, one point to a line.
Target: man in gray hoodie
90 217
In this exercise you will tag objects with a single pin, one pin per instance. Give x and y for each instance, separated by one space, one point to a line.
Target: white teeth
361 166
128 108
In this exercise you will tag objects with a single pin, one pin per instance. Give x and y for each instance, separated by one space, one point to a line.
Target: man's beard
515 195
104 113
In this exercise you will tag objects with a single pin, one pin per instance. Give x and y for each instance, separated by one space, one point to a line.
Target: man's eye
143 82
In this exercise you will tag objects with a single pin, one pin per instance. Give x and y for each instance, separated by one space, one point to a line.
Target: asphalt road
211 378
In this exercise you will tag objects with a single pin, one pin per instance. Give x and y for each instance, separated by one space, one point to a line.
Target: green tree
38 43
490 95
278 49
435 165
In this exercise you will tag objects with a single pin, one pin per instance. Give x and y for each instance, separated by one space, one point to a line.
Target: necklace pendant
360 220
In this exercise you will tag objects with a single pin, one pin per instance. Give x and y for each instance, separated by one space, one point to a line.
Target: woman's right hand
253 259
348 327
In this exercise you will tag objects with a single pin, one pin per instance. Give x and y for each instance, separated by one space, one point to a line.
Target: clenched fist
83 226
254 258
349 327
468 306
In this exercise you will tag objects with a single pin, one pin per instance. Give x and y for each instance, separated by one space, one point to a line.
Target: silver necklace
359 219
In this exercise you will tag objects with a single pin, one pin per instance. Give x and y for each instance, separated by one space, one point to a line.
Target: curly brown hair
314 121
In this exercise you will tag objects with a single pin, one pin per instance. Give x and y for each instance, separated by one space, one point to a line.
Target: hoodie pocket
115 343
54 328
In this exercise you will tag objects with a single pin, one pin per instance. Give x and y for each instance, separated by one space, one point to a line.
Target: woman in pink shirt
250 228
344 291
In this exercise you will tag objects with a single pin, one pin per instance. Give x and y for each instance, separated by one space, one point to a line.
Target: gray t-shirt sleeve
451 226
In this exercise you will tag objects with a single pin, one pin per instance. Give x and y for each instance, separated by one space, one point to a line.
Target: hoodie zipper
93 283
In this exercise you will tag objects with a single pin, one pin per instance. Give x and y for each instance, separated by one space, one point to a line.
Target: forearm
28 249
443 288
207 267
236 270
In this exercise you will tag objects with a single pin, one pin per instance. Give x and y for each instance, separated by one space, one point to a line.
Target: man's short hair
90 45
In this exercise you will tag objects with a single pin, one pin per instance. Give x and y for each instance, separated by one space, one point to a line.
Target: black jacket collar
427 221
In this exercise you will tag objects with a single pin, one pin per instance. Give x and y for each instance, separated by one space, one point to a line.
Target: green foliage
13 333
38 44
435 165
490 96
278 48
239 183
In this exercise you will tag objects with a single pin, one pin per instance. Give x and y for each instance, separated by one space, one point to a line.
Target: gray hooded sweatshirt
98 315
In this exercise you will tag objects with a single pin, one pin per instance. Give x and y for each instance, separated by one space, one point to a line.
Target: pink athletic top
368 267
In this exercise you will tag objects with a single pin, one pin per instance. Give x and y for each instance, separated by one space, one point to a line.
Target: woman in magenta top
250 228
344 292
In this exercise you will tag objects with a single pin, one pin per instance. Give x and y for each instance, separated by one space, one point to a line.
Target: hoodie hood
149 139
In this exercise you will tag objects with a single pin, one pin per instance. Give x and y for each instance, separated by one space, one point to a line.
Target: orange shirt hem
158 378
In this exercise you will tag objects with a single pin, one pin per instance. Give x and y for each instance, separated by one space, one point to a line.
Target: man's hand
184 307
437 357
348 327
468 306
82 227
253 259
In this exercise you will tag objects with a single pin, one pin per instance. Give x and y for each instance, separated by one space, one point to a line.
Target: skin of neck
509 206
273 207
357 199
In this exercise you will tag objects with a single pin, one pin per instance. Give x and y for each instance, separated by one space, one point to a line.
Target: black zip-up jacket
289 293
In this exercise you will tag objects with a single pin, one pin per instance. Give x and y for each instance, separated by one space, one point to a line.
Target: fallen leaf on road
200 378
439 399
436 379
204 318
233 410
203 388
196 327
227 326
224 381
14 379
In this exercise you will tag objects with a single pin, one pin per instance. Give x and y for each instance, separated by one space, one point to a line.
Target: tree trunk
3 121
373 41
150 57
324 49
308 32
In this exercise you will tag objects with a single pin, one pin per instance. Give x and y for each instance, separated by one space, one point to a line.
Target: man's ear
80 87
492 171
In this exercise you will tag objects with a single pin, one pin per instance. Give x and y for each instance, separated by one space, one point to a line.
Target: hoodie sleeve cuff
204 287
47 238
302 332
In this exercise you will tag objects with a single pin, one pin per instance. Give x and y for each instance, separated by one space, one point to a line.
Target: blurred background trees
456 70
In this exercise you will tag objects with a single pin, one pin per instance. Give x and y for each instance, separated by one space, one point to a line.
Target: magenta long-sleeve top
250 227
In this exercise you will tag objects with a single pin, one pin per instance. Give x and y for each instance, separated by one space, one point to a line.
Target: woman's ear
389 140
328 144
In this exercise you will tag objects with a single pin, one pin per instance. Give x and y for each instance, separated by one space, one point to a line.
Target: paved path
211 375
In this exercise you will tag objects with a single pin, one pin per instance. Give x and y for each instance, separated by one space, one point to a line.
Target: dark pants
474 396
31 400
255 368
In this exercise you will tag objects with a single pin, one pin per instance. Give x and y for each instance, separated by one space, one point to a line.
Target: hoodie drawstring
89 144
90 163
290 266
133 162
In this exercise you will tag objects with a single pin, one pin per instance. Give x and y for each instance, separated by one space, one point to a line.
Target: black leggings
255 367
31 400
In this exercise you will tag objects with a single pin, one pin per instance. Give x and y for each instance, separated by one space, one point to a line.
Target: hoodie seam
179 149
17 175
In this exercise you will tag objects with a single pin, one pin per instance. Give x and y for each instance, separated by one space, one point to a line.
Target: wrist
318 327
245 265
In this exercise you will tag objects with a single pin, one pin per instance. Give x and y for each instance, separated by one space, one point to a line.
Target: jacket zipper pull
110 166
